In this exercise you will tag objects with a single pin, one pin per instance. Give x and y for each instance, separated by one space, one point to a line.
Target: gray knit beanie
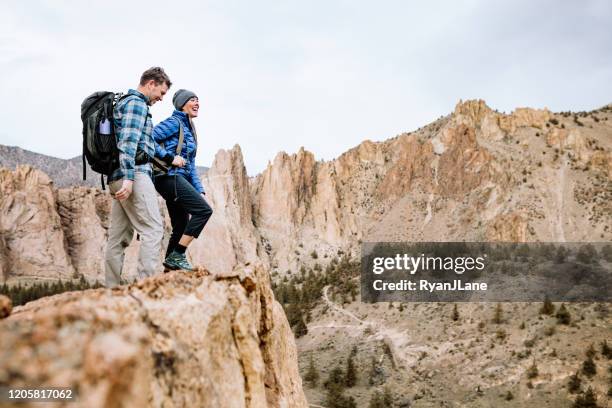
181 97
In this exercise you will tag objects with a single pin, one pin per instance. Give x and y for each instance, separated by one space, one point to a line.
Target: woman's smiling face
191 107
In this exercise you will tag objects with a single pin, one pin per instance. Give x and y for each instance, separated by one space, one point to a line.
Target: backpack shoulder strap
193 131
179 147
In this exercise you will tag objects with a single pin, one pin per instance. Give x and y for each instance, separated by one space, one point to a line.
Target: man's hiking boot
176 261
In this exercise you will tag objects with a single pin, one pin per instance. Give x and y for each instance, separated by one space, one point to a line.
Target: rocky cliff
180 339
477 174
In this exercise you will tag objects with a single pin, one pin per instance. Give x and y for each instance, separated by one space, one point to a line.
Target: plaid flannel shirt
134 129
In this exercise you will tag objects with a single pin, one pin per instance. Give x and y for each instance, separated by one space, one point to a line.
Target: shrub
350 378
381 400
547 307
455 315
312 375
532 371
590 353
588 400
574 384
589 368
563 315
605 350
498 316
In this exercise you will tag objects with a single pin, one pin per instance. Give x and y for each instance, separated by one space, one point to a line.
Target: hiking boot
176 261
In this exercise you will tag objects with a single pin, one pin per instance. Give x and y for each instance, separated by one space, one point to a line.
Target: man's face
156 91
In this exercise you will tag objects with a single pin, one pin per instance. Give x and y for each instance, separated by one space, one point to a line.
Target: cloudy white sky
277 75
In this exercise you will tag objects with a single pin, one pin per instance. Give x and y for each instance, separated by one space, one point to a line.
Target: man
135 204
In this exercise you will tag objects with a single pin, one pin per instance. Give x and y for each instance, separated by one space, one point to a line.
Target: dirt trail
403 353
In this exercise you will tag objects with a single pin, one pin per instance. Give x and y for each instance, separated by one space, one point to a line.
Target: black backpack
99 141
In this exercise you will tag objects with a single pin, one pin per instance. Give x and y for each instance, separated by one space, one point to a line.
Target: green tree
588 367
563 315
588 400
560 255
606 252
300 328
336 377
498 316
376 400
590 353
574 384
351 376
586 254
547 307
335 391
336 399
387 397
606 351
532 371
312 375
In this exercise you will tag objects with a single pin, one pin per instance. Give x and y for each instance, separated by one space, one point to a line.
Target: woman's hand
178 161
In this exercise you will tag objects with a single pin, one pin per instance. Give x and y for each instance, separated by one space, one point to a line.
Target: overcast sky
277 75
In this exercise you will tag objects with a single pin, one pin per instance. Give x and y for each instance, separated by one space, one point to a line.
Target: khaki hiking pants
140 213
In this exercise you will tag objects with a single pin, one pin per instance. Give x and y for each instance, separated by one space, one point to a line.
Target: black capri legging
189 211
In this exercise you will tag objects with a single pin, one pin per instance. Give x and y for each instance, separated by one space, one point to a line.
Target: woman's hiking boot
176 261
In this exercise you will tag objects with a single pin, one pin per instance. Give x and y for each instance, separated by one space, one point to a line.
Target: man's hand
178 161
125 190
203 194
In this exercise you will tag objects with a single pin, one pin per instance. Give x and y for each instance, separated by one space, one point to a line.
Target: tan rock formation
6 306
524 117
85 217
31 228
492 125
229 238
181 339
453 179
602 161
508 228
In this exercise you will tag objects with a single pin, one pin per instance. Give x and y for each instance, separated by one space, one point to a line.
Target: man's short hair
156 74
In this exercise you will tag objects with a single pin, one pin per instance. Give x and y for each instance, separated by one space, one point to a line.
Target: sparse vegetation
547 308
563 315
381 400
455 315
22 294
532 371
575 383
586 400
606 351
498 315
589 368
312 375
299 295
334 385
350 378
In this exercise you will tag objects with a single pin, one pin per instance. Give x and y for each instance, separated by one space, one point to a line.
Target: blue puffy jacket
167 133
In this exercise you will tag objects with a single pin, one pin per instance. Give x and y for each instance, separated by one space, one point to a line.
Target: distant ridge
63 172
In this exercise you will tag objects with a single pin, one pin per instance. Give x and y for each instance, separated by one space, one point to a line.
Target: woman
181 186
